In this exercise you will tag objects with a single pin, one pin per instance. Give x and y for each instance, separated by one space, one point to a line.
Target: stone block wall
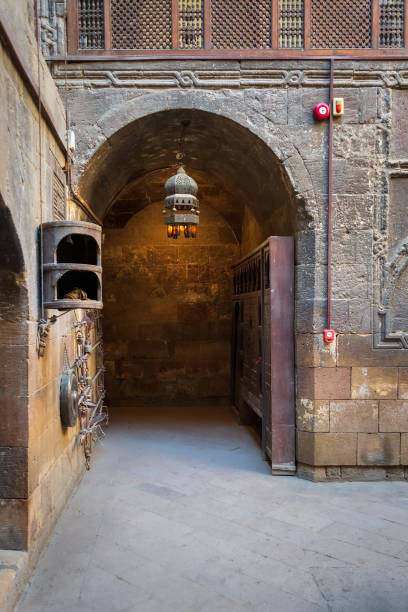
40 460
167 310
339 388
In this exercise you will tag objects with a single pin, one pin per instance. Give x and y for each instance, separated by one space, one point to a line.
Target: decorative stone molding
389 263
81 75
387 338
51 15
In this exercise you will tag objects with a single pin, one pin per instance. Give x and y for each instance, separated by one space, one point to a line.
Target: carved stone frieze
387 336
51 15
390 244
97 77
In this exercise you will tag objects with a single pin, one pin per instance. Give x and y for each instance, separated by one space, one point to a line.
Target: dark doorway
168 315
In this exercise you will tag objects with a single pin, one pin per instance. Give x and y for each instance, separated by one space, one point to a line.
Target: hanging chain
180 155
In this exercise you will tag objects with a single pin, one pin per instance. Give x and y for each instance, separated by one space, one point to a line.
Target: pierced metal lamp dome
181 205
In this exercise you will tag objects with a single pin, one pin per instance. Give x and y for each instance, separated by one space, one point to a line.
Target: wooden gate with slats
263 346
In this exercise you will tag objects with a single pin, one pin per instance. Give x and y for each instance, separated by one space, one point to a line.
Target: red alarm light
329 335
321 111
338 107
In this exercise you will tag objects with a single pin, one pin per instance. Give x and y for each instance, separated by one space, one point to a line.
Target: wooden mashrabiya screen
121 26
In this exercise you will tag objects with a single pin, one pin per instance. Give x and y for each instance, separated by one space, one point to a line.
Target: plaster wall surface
344 427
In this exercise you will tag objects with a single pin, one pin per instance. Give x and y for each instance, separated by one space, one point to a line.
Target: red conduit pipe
330 197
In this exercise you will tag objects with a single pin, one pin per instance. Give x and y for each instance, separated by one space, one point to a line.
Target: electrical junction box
338 107
329 336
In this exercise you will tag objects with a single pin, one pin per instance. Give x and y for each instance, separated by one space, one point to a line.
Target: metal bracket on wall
43 329
91 408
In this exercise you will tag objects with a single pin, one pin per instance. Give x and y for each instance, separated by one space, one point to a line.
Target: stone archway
99 137
247 171
13 387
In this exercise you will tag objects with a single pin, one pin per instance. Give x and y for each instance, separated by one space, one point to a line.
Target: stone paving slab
180 514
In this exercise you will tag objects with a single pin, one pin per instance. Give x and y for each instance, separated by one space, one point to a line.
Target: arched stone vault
13 385
241 160
174 325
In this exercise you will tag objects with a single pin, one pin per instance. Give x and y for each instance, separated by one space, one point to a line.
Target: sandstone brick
352 246
311 281
397 223
333 473
327 448
311 350
350 281
354 142
13 420
15 373
315 474
404 449
349 178
399 124
357 349
363 474
13 524
378 449
351 315
375 383
393 416
310 315
340 315
323 383
13 472
354 416
312 415
311 247
395 473
361 105
360 319
403 383
352 211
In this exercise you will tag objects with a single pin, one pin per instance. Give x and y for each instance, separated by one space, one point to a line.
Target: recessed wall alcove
72 265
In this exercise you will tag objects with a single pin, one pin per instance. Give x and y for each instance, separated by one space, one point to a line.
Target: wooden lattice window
392 23
343 24
141 24
58 191
241 25
291 24
91 24
191 24
123 26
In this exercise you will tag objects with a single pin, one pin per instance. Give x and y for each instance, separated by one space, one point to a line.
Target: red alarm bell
329 336
321 111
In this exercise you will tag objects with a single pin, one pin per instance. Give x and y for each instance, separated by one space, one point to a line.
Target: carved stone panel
51 15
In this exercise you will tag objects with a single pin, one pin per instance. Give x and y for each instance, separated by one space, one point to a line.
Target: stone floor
179 513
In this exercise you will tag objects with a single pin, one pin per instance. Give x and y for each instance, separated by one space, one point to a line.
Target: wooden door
263 347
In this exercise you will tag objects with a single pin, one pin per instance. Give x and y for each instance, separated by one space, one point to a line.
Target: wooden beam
405 25
72 26
233 54
307 21
275 24
207 24
175 28
107 19
375 25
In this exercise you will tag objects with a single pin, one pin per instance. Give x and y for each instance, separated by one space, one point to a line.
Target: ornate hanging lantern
181 205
